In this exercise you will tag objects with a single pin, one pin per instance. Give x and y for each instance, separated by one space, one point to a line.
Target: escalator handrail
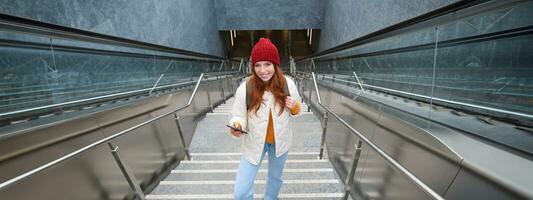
508 112
80 151
391 161
109 96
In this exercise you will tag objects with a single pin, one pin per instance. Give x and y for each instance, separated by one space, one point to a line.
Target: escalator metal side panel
94 175
420 153
150 151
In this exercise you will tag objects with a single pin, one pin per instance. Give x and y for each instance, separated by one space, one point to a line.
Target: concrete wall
269 14
345 20
194 24
184 24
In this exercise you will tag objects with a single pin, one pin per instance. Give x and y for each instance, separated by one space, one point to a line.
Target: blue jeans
244 183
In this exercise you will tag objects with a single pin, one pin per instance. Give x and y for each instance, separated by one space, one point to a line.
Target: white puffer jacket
256 125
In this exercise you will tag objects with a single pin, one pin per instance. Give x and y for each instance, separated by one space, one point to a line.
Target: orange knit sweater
270 127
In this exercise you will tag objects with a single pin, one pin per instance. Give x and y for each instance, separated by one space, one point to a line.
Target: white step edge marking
238 154
290 170
237 161
227 113
217 113
231 196
229 182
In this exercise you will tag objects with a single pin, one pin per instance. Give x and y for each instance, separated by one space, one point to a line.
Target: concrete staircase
225 109
211 173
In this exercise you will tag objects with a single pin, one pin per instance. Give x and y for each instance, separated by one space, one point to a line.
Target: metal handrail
89 99
439 99
316 90
393 163
240 64
358 82
222 73
98 97
78 152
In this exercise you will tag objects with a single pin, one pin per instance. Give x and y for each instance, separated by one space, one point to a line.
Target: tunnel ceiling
293 43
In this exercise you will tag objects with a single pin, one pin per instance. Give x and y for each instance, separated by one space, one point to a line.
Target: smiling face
264 69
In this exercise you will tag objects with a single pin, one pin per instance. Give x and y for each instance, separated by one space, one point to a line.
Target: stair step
237 156
226 187
256 182
234 164
288 170
308 196
230 174
220 113
237 161
227 113
230 107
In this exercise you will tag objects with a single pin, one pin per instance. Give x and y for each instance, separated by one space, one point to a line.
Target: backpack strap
248 94
286 92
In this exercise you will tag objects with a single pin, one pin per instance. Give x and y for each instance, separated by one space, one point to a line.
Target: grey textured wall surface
184 24
345 20
495 73
269 14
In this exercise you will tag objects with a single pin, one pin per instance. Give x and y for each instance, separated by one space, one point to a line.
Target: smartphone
237 129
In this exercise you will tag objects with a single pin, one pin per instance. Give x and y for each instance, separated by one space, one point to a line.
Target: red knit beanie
264 50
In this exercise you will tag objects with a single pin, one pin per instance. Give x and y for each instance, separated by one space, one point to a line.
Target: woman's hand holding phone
236 133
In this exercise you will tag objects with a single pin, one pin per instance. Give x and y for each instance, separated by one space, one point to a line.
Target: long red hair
277 86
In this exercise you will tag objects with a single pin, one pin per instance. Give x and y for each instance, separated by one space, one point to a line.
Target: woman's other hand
290 102
234 132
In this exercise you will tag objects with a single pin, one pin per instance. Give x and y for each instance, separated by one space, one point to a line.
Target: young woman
266 117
